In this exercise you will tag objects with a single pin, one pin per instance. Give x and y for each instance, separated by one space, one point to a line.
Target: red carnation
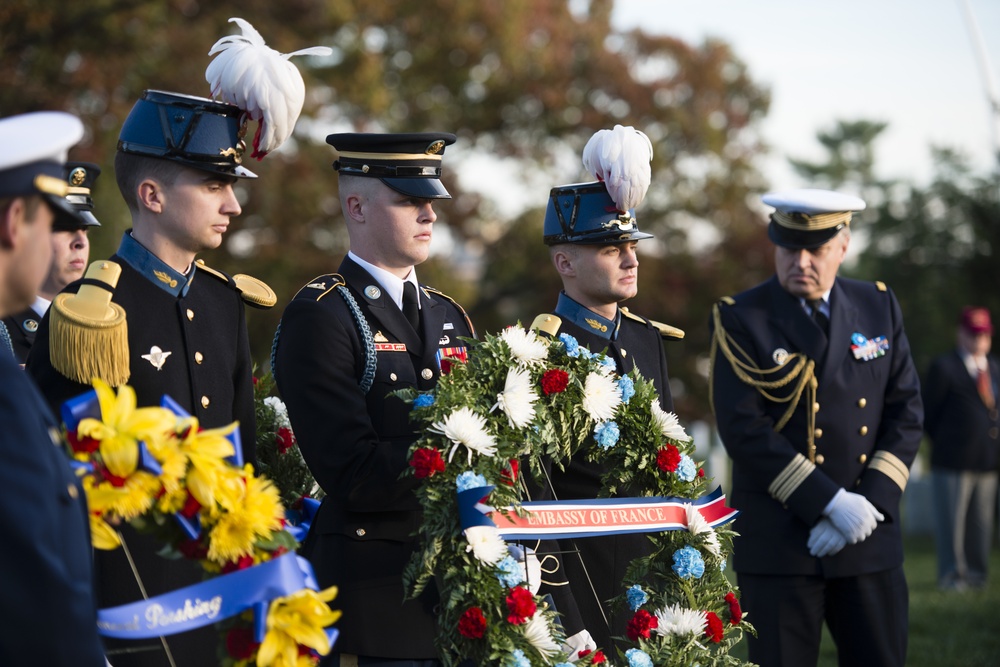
193 549
285 439
713 627
191 507
242 563
254 379
84 445
554 381
521 605
598 656
426 461
701 472
240 643
668 458
640 625
472 624
735 612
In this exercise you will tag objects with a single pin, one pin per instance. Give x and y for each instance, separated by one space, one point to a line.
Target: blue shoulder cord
365 332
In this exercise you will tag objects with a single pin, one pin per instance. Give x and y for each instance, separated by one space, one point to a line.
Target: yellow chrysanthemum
172 501
128 501
297 619
253 511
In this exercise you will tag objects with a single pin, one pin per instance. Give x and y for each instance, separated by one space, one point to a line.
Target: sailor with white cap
818 404
48 603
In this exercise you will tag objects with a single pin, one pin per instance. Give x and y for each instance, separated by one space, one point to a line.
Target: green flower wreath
522 397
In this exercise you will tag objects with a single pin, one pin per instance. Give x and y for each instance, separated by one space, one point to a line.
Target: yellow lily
207 451
297 619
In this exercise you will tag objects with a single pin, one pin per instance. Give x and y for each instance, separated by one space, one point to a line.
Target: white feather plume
620 157
256 78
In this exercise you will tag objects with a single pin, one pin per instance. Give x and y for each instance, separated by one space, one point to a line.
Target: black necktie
821 320
410 307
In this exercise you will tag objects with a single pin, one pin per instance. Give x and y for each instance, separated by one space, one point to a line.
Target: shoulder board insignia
728 300
380 337
468 322
320 286
594 324
163 277
665 330
212 272
880 285
547 324
255 292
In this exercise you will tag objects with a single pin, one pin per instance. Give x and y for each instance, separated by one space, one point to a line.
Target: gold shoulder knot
666 331
547 324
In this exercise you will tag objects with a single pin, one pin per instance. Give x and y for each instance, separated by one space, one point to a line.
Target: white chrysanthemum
528 349
465 427
668 423
601 397
697 525
518 398
676 620
486 544
539 635
279 409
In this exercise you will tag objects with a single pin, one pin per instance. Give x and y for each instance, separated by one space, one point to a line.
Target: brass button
818 433
862 458
73 493
198 357
360 532
392 376
624 352
816 407
190 314
205 401
819 459
863 430
862 402
427 374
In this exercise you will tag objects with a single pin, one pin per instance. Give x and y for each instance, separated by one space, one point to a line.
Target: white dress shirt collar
392 284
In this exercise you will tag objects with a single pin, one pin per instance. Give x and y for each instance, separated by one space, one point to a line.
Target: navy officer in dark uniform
818 404
593 248
47 599
70 252
186 331
345 342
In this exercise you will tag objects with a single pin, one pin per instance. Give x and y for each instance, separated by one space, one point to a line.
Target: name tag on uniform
390 347
448 325
867 349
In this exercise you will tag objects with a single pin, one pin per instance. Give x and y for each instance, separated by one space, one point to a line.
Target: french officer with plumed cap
345 343
593 234
180 329
47 602
818 404
70 252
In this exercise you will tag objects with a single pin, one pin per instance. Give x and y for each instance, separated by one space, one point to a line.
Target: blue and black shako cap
584 213
35 146
807 218
195 131
80 177
409 163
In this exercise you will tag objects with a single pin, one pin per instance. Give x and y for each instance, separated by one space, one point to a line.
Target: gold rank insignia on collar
380 337
603 328
164 278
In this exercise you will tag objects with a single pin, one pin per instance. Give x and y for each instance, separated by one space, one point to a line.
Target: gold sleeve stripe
789 479
889 465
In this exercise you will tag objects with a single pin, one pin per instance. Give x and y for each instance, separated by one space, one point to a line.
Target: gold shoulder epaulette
666 331
320 286
547 324
728 300
255 292
88 333
880 285
468 322
212 272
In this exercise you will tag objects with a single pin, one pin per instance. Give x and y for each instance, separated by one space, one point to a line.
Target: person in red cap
960 398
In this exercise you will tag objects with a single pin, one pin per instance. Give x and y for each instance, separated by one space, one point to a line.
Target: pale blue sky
911 63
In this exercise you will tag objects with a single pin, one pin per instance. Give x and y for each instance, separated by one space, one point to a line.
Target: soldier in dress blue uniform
593 248
70 252
47 600
178 159
346 341
818 404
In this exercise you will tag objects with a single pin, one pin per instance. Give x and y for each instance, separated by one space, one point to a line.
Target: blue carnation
572 346
636 597
688 563
585 353
606 434
509 572
722 565
627 387
423 401
470 480
564 664
637 658
686 469
607 362
518 659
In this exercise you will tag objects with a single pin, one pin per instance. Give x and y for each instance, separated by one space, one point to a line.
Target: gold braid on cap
811 223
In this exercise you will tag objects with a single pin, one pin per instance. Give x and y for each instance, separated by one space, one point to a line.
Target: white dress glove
852 515
825 540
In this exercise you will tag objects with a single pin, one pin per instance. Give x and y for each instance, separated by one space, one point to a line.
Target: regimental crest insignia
780 356
31 326
157 357
380 337
163 277
594 324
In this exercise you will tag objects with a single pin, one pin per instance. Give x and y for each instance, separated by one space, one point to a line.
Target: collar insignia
31 326
780 356
594 324
164 278
380 337
373 292
156 357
